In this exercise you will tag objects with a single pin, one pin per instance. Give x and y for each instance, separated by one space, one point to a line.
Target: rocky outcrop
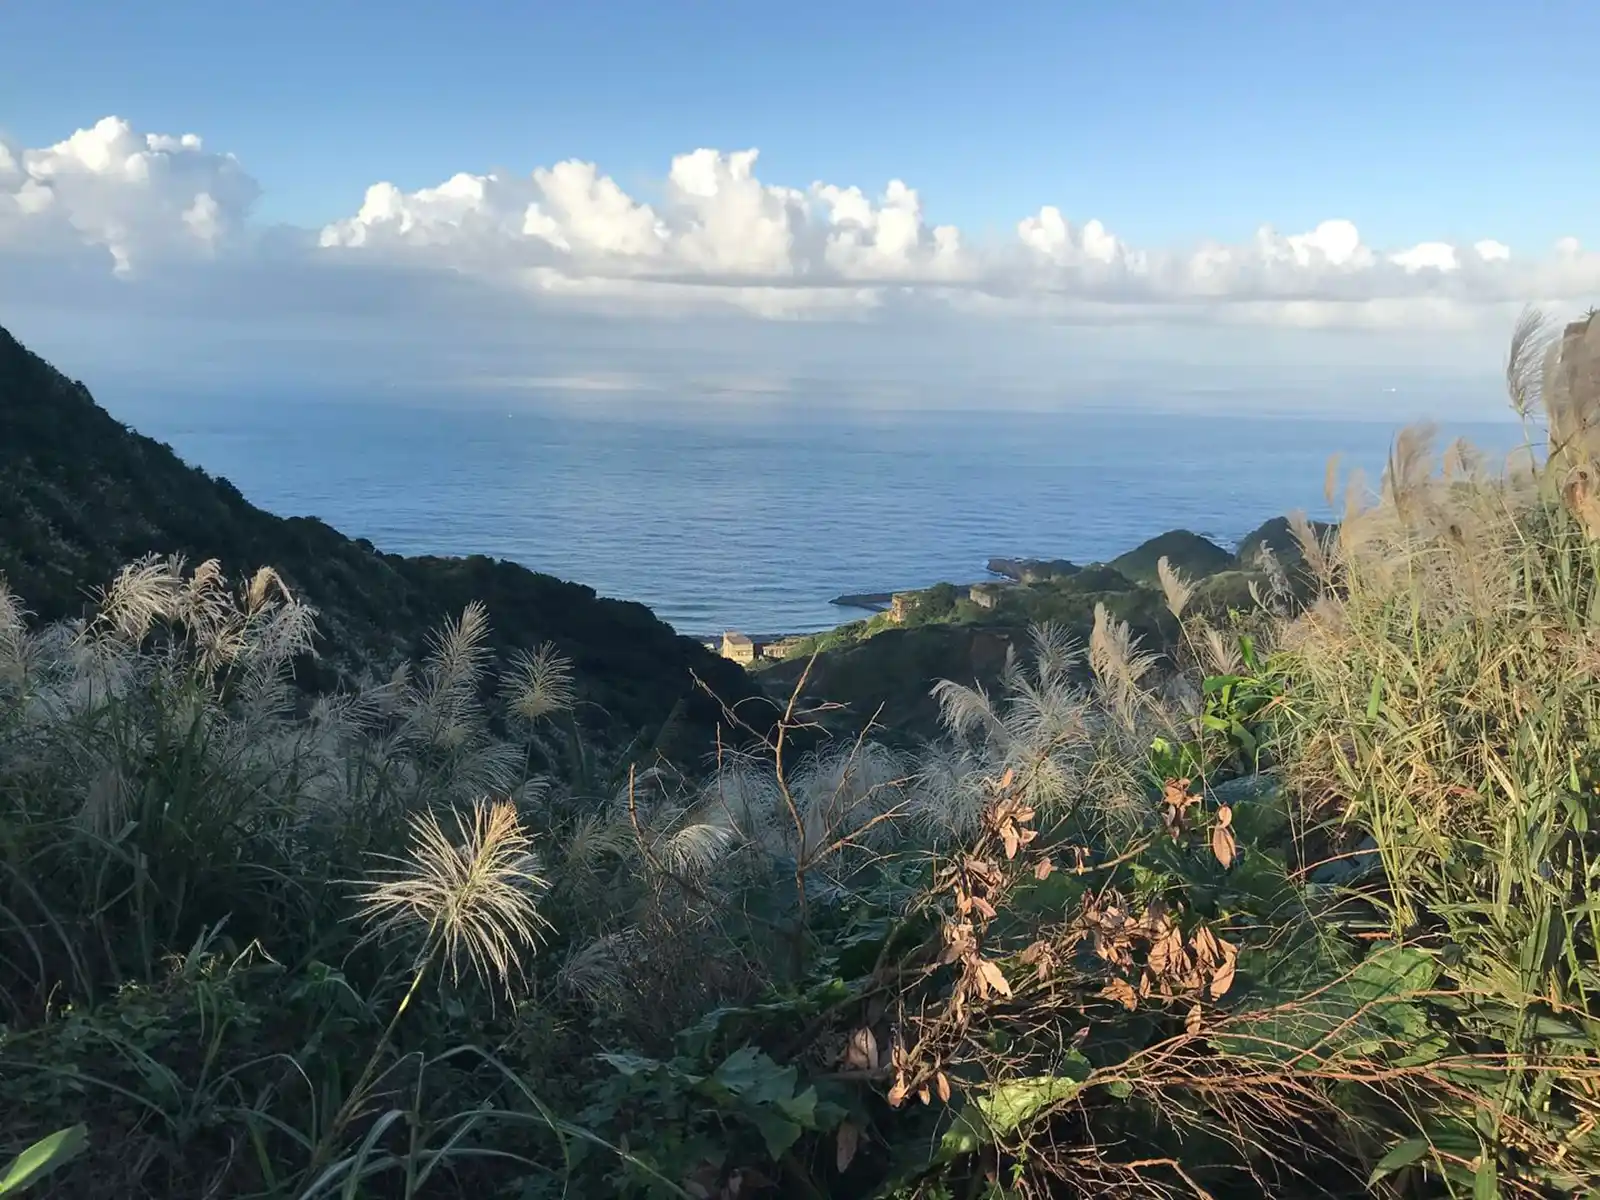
1277 536
867 601
1193 556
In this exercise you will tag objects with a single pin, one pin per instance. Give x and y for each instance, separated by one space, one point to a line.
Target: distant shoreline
867 602
999 570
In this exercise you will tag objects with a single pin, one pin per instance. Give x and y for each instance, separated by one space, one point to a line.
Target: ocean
752 514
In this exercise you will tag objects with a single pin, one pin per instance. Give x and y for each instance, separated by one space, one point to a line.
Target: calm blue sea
752 515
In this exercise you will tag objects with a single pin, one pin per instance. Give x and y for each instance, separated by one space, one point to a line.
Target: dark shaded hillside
81 495
888 678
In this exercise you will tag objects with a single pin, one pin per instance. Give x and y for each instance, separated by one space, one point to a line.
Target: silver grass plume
143 593
444 704
1279 590
1409 474
1223 655
539 684
1119 665
1311 547
1177 590
472 899
1526 363
16 659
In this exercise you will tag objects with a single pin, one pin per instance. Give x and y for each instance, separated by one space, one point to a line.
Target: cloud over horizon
112 211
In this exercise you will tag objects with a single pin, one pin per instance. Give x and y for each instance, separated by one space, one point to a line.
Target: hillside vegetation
881 670
81 496
1303 907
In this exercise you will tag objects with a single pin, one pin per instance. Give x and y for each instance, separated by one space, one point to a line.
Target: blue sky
1172 122
1089 188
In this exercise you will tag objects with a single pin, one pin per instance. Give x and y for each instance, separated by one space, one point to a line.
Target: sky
612 192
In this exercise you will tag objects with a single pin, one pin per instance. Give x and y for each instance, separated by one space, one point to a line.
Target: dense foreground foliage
1303 908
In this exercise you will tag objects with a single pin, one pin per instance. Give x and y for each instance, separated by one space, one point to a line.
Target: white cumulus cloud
716 233
133 196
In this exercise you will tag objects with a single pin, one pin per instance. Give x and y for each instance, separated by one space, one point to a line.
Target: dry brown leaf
993 976
846 1142
1222 979
898 1092
862 1052
1007 779
1043 869
1206 950
1041 957
1192 1021
983 871
924 1095
1120 990
941 1084
1166 954
1157 916
1008 835
985 909
1223 845
1224 816
957 938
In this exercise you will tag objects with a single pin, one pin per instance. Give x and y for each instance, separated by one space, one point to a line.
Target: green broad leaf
1398 1158
777 1131
630 1064
1486 1180
1012 1105
965 1135
44 1156
742 1070
696 1039
827 1115
752 1075
1368 1011
1009 1106
1483 1079
801 1108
